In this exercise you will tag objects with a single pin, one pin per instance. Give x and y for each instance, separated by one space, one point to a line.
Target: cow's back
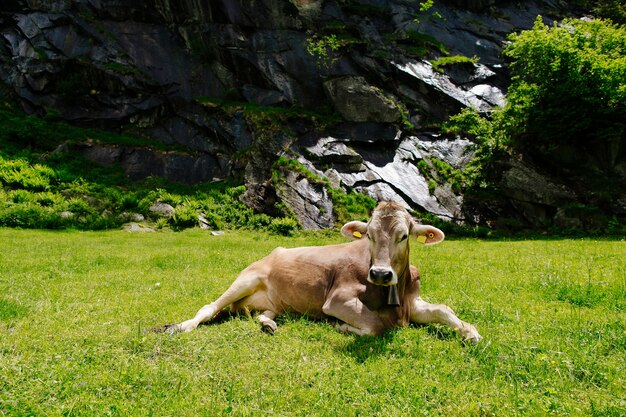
301 278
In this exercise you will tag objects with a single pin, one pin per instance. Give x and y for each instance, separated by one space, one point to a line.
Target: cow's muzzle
382 276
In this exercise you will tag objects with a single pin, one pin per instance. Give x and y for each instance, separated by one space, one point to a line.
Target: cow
367 285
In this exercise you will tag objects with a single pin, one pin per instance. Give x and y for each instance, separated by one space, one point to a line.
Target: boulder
358 101
162 209
481 98
140 163
309 201
134 227
535 196
388 171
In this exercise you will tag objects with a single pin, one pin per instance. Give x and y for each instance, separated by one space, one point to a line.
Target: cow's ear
354 230
428 235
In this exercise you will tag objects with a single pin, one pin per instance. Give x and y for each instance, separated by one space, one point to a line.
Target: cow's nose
381 276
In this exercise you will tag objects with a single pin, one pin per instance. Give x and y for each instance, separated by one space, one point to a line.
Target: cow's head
388 233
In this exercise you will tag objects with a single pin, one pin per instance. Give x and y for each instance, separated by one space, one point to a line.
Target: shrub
78 206
567 100
20 196
184 216
324 50
29 215
284 226
18 173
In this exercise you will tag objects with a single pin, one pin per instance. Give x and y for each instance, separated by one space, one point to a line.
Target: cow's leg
355 315
425 313
246 283
267 321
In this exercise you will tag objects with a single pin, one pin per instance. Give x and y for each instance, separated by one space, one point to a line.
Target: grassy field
74 307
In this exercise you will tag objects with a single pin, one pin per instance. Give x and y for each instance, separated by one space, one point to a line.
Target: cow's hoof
473 340
470 334
269 326
172 328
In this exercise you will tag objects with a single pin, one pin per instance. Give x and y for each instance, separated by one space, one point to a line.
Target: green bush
567 100
30 215
19 173
284 226
185 216
79 207
20 196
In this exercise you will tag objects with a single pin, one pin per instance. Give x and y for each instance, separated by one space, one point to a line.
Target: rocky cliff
235 85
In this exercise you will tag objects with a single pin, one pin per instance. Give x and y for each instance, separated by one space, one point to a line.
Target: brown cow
367 284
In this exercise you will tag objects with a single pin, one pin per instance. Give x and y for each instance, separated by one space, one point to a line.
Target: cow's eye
403 238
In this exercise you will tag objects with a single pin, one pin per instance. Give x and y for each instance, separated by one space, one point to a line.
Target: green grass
74 306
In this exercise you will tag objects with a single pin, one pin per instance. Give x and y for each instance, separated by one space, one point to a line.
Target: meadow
75 308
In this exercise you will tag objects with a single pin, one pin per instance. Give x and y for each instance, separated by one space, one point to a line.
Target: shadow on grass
439 332
362 348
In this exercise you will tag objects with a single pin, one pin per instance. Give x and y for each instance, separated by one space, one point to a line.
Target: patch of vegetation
568 97
61 190
22 131
273 116
325 50
443 61
440 172
426 12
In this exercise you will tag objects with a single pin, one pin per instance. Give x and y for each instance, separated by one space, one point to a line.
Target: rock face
534 195
357 101
388 170
165 69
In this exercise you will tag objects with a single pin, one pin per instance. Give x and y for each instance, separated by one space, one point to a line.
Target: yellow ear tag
421 239
358 235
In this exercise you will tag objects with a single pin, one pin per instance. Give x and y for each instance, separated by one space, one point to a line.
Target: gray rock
137 217
482 99
134 227
457 152
162 209
563 220
396 177
309 201
535 196
330 150
358 101
523 183
125 63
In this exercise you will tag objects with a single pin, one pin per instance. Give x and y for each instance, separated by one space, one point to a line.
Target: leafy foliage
443 61
568 97
325 50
